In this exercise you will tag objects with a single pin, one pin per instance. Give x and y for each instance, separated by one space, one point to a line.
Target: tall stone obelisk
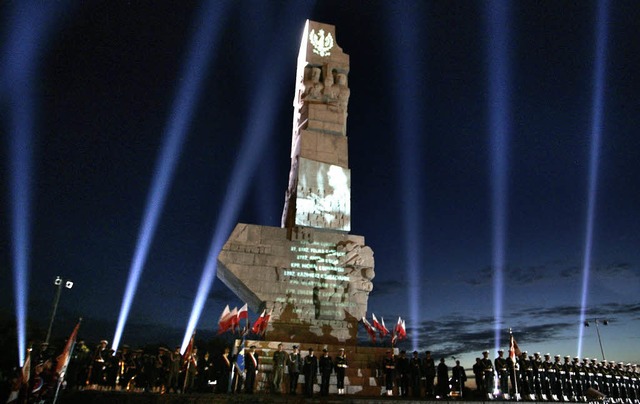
312 274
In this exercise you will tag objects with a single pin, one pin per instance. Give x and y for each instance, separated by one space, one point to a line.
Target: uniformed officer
415 371
487 372
389 368
279 359
503 374
429 370
326 368
341 367
310 370
402 369
295 366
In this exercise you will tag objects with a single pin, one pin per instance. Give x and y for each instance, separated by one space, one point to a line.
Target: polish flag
265 323
65 356
400 330
225 321
514 350
370 330
376 324
384 329
257 326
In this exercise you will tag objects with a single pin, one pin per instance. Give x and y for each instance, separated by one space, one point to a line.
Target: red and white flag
257 326
370 329
376 324
400 331
265 323
242 313
65 356
514 350
384 331
226 321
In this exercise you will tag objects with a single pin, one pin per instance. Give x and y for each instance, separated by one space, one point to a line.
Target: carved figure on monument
344 92
313 86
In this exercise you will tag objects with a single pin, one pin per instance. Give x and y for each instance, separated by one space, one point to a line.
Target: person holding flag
238 367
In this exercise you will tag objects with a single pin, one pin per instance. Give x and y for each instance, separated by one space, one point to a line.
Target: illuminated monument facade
313 274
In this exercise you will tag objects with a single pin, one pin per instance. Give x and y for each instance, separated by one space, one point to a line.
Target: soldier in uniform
487 372
503 374
326 368
537 374
429 369
389 367
175 365
341 367
547 375
98 366
295 366
415 372
565 374
279 359
310 369
402 369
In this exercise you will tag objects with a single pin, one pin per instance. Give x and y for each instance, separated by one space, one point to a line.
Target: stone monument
312 275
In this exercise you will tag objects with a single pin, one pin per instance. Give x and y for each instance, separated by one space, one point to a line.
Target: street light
604 322
58 283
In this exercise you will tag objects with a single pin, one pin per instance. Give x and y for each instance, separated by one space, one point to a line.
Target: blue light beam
594 155
28 27
497 14
409 96
208 25
256 136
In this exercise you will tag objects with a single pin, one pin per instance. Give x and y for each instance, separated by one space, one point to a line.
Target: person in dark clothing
251 369
310 369
415 372
326 368
389 368
443 379
402 367
294 363
429 369
458 377
341 367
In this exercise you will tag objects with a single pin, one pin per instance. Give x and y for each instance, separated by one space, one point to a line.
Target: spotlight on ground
594 153
497 18
194 70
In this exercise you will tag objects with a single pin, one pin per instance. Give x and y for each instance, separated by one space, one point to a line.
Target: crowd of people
535 377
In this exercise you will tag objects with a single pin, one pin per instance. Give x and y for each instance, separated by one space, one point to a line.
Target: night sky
104 80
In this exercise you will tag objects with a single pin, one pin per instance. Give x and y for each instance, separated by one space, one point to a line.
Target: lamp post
605 322
59 283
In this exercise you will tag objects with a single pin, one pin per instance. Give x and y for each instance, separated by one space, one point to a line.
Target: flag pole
514 359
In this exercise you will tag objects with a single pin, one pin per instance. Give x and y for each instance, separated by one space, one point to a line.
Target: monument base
363 377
